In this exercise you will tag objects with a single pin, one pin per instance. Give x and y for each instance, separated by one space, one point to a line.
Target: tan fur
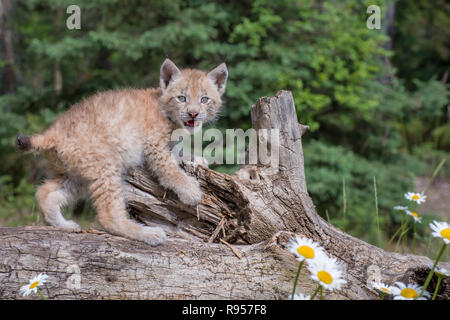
96 140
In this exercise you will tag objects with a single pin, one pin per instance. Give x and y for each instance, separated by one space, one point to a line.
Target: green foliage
425 122
421 32
326 167
17 205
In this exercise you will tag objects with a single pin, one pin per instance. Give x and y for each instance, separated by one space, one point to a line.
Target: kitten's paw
190 193
201 161
153 236
71 226
198 161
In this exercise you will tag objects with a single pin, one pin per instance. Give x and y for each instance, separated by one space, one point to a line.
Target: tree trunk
10 73
231 247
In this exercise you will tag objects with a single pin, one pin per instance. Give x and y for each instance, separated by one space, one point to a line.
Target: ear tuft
219 76
168 73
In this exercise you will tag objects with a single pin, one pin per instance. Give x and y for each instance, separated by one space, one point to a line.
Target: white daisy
417 197
327 272
400 208
441 272
414 215
299 296
34 283
409 292
305 248
441 230
383 288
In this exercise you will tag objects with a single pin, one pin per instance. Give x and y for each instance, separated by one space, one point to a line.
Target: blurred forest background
377 101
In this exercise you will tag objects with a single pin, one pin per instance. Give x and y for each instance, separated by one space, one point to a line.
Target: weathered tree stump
257 210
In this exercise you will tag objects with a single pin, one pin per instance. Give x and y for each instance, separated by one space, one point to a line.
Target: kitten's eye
204 100
181 98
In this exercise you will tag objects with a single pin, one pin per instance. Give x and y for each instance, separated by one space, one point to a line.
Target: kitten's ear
168 73
219 76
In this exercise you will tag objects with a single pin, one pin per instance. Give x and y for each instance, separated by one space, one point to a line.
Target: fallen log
232 246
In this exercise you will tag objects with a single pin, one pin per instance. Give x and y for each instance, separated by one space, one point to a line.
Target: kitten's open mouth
191 123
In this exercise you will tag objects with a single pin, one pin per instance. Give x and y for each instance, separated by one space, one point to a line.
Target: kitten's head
191 97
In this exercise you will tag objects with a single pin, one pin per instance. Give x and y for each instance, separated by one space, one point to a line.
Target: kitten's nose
193 114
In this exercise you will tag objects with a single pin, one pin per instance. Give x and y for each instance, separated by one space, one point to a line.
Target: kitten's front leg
171 176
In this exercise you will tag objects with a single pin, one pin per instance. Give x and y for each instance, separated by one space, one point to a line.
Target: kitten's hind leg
111 210
54 194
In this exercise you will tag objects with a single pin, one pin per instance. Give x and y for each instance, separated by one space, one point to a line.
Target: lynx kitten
96 140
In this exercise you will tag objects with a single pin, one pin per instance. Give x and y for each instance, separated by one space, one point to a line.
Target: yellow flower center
415 197
34 285
409 293
325 277
414 214
306 251
446 233
385 290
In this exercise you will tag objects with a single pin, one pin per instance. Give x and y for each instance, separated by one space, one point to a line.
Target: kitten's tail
36 142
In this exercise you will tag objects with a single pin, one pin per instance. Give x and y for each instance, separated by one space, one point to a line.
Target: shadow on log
232 246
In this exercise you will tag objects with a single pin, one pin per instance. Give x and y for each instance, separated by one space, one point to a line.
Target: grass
376 209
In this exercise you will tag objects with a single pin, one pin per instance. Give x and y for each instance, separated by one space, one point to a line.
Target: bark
389 24
9 73
256 210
